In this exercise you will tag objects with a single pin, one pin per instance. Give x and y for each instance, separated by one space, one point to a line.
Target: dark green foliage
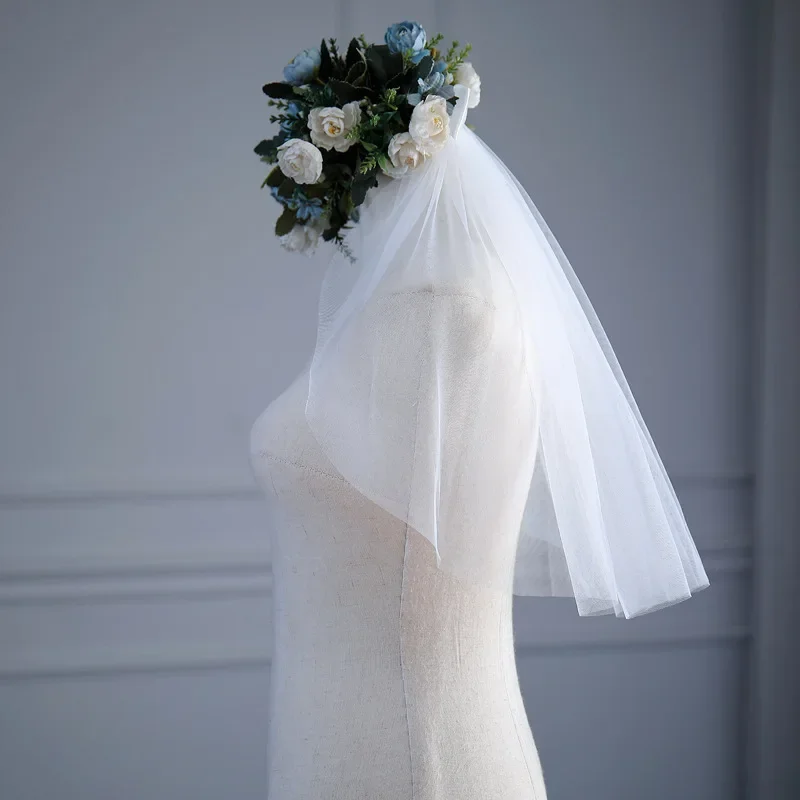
347 92
268 148
275 178
279 91
354 54
329 233
286 187
346 204
383 63
357 74
335 173
325 64
285 222
360 188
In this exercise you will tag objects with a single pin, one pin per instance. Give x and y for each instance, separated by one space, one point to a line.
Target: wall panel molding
55 665
146 486
136 588
225 571
54 629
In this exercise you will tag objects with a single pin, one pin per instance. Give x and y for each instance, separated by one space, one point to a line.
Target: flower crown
344 120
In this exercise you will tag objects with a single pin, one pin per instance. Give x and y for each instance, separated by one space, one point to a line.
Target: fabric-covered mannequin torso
391 679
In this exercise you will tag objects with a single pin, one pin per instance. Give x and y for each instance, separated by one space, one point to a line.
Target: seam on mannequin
510 706
402 663
403 576
304 467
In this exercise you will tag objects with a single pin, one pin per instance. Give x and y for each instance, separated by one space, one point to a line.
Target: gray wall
147 316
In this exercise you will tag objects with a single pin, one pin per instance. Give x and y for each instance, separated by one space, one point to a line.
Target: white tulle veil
460 369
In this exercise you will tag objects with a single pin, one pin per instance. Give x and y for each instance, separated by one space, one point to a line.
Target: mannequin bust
391 678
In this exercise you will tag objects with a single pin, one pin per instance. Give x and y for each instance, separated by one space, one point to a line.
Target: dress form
392 679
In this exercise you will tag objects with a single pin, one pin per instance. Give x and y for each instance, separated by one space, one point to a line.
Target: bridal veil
413 402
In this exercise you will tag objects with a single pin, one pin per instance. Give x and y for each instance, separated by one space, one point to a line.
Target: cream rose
330 126
403 156
466 76
301 238
300 161
430 125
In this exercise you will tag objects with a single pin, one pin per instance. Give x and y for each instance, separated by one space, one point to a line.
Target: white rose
330 126
300 160
301 238
430 125
403 156
466 76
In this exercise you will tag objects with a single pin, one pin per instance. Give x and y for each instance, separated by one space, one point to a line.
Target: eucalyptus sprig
456 57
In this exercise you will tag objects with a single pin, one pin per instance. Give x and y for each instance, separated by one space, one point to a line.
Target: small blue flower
273 190
302 68
404 36
433 84
306 208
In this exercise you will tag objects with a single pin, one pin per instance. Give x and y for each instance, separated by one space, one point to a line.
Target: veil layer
462 381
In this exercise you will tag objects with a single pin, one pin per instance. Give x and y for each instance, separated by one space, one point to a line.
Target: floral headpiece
346 119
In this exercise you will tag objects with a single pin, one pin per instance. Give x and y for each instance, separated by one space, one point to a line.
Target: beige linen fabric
391 679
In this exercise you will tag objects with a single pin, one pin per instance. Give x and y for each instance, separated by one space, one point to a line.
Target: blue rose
302 68
404 36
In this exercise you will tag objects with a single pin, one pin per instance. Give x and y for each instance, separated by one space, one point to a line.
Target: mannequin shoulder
460 315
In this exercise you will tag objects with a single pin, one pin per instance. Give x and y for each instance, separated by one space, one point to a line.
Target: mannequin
393 679
462 433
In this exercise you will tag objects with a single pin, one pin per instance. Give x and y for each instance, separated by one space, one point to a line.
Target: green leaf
393 62
405 81
337 172
354 54
286 187
424 67
279 90
325 62
266 146
336 218
315 190
368 146
383 63
360 187
346 204
347 93
285 222
356 74
275 178
267 149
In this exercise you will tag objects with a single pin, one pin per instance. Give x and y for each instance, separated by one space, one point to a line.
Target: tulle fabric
462 381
